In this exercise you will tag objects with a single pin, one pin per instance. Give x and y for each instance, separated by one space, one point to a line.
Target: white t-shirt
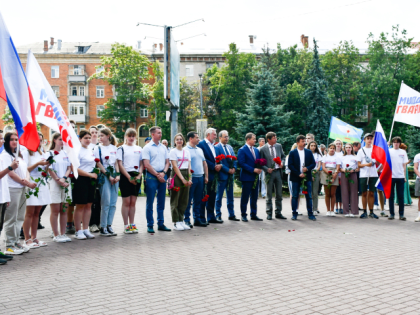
4 187
33 159
92 146
86 160
61 162
109 151
317 158
398 158
331 160
21 171
176 155
350 160
367 171
416 160
302 158
339 153
132 157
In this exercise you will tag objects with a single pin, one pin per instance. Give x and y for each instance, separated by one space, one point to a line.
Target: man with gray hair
207 145
226 176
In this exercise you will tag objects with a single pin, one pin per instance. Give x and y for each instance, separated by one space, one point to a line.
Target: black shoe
198 223
244 219
40 226
280 216
5 257
269 217
256 218
233 218
373 216
3 262
207 223
104 232
215 220
402 218
391 217
163 228
189 224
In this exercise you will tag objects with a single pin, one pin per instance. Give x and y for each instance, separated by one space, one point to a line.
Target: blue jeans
196 194
248 192
400 195
295 197
229 196
109 196
153 185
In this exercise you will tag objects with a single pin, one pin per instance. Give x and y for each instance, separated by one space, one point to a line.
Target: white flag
49 112
408 106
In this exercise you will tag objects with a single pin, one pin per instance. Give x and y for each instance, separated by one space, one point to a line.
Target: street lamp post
201 94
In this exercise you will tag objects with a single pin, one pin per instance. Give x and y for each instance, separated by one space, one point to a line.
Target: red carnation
330 172
107 157
71 175
176 188
136 167
44 174
97 160
347 165
304 192
192 171
206 197
56 152
234 158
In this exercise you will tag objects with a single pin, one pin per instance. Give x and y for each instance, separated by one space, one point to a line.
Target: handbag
171 180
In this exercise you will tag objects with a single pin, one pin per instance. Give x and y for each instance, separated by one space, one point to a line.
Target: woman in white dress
38 169
338 200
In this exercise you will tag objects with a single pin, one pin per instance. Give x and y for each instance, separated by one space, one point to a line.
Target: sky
225 21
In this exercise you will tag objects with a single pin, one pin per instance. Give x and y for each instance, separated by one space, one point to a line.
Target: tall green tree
319 103
127 71
189 107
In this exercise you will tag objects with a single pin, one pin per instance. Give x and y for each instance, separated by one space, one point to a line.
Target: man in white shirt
398 159
417 187
263 185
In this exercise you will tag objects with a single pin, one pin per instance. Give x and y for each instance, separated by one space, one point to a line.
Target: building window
189 71
210 65
100 92
55 72
77 109
81 91
143 131
82 127
99 109
74 91
144 113
77 70
56 90
363 112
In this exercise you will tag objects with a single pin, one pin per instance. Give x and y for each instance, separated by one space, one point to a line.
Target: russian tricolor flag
14 89
380 153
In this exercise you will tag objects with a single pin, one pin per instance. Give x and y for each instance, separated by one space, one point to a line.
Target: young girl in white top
338 201
131 169
329 177
38 169
106 152
181 167
17 181
83 190
313 146
349 186
60 188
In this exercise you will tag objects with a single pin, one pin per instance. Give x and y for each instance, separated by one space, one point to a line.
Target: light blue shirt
197 158
156 154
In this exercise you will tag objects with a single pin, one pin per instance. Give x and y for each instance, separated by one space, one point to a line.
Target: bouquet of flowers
259 163
219 159
138 181
303 185
347 173
277 161
110 170
231 161
329 179
40 181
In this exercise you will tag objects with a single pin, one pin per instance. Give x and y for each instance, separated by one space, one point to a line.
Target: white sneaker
185 226
94 228
299 213
375 207
23 247
315 212
417 220
88 234
59 239
13 251
347 215
80 235
178 226
328 213
351 215
65 237
332 214
52 234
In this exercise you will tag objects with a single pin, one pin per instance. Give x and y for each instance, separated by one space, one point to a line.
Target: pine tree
319 104
263 113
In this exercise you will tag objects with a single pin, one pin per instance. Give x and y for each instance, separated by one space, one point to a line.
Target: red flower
136 167
347 165
206 197
192 171
234 158
217 160
56 153
71 175
330 172
176 188
277 160
304 192
97 160
107 157
44 174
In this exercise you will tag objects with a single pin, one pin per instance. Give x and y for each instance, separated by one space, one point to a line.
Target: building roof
89 48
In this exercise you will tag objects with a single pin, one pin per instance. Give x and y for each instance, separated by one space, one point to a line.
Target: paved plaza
335 265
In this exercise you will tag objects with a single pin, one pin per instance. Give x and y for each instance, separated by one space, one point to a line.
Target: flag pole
393 119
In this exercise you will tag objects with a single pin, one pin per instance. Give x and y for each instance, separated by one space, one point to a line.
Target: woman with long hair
181 169
60 188
329 177
338 199
349 185
131 169
106 152
84 187
38 197
17 180
313 146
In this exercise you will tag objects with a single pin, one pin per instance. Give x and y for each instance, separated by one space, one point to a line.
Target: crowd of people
197 173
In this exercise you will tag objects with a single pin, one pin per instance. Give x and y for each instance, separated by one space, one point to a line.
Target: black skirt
83 190
128 189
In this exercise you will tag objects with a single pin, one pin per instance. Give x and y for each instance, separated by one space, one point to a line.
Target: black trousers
95 216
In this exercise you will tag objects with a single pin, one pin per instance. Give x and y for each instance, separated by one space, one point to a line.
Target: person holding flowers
106 152
181 173
349 184
37 197
316 178
131 169
247 160
226 175
60 188
84 187
329 177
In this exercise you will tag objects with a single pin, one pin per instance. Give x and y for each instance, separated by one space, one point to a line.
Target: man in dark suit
247 155
207 145
301 163
225 176
269 152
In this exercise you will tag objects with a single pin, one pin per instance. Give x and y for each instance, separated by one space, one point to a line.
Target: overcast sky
272 21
